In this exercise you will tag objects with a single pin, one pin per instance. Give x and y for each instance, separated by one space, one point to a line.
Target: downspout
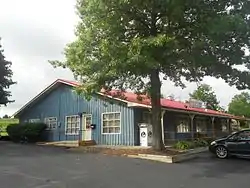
162 127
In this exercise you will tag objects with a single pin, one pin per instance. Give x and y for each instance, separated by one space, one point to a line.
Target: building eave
187 111
50 87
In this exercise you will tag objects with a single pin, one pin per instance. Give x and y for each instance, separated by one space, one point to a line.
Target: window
224 125
111 123
147 117
183 127
72 125
34 120
201 126
51 123
245 135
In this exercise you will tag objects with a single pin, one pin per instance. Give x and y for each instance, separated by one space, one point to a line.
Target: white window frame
113 120
78 122
183 129
37 120
48 122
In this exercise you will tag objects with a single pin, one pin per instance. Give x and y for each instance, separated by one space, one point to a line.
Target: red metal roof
132 97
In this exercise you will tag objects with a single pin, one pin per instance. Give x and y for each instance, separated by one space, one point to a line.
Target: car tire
221 152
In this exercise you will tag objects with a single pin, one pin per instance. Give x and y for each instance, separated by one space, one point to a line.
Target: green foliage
5 79
205 93
5 116
126 44
240 105
4 123
184 145
31 131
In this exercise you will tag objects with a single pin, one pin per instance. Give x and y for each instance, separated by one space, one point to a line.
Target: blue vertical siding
63 101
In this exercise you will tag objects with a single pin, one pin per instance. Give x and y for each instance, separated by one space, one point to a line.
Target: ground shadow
213 167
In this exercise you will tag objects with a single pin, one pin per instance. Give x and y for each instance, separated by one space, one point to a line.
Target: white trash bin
145 134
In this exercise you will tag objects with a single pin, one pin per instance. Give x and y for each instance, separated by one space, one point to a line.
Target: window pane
78 125
105 116
105 130
117 130
117 116
73 119
117 123
68 120
105 123
111 116
54 125
244 135
111 124
111 130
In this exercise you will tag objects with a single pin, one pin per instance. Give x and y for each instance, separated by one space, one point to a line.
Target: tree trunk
156 109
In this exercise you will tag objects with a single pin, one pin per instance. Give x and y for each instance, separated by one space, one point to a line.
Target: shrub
31 132
14 132
184 145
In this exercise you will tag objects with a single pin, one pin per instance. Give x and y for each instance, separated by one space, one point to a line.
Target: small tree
205 94
5 116
127 44
5 79
240 105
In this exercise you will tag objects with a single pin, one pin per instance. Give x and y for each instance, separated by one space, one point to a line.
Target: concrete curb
71 144
191 154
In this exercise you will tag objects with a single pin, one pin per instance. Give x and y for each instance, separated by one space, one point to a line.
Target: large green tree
205 93
240 105
127 44
5 79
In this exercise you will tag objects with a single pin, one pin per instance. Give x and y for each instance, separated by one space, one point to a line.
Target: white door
87 131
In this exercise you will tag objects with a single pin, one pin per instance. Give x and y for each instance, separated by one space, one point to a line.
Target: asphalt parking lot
27 166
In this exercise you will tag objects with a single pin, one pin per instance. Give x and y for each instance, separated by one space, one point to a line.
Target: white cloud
35 31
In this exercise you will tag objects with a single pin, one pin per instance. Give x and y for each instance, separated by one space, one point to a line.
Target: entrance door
87 131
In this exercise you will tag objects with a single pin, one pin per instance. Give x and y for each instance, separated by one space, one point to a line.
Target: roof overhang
187 111
53 85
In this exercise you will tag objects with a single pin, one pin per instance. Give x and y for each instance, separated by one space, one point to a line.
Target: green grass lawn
4 123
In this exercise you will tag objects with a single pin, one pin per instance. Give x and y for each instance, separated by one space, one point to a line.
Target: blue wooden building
108 120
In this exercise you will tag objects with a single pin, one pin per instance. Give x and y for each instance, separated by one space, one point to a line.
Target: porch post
192 125
162 126
213 129
228 126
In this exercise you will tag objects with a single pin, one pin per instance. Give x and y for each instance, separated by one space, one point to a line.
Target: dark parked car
236 144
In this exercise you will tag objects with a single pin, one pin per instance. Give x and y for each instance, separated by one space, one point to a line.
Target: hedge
30 132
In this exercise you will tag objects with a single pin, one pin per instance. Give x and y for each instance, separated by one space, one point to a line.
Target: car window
245 135
233 136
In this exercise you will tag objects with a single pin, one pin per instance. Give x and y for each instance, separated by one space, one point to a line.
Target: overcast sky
35 31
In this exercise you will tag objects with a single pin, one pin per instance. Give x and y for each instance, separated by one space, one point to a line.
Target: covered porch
185 125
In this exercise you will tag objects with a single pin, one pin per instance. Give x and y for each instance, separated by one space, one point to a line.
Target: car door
232 144
244 143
